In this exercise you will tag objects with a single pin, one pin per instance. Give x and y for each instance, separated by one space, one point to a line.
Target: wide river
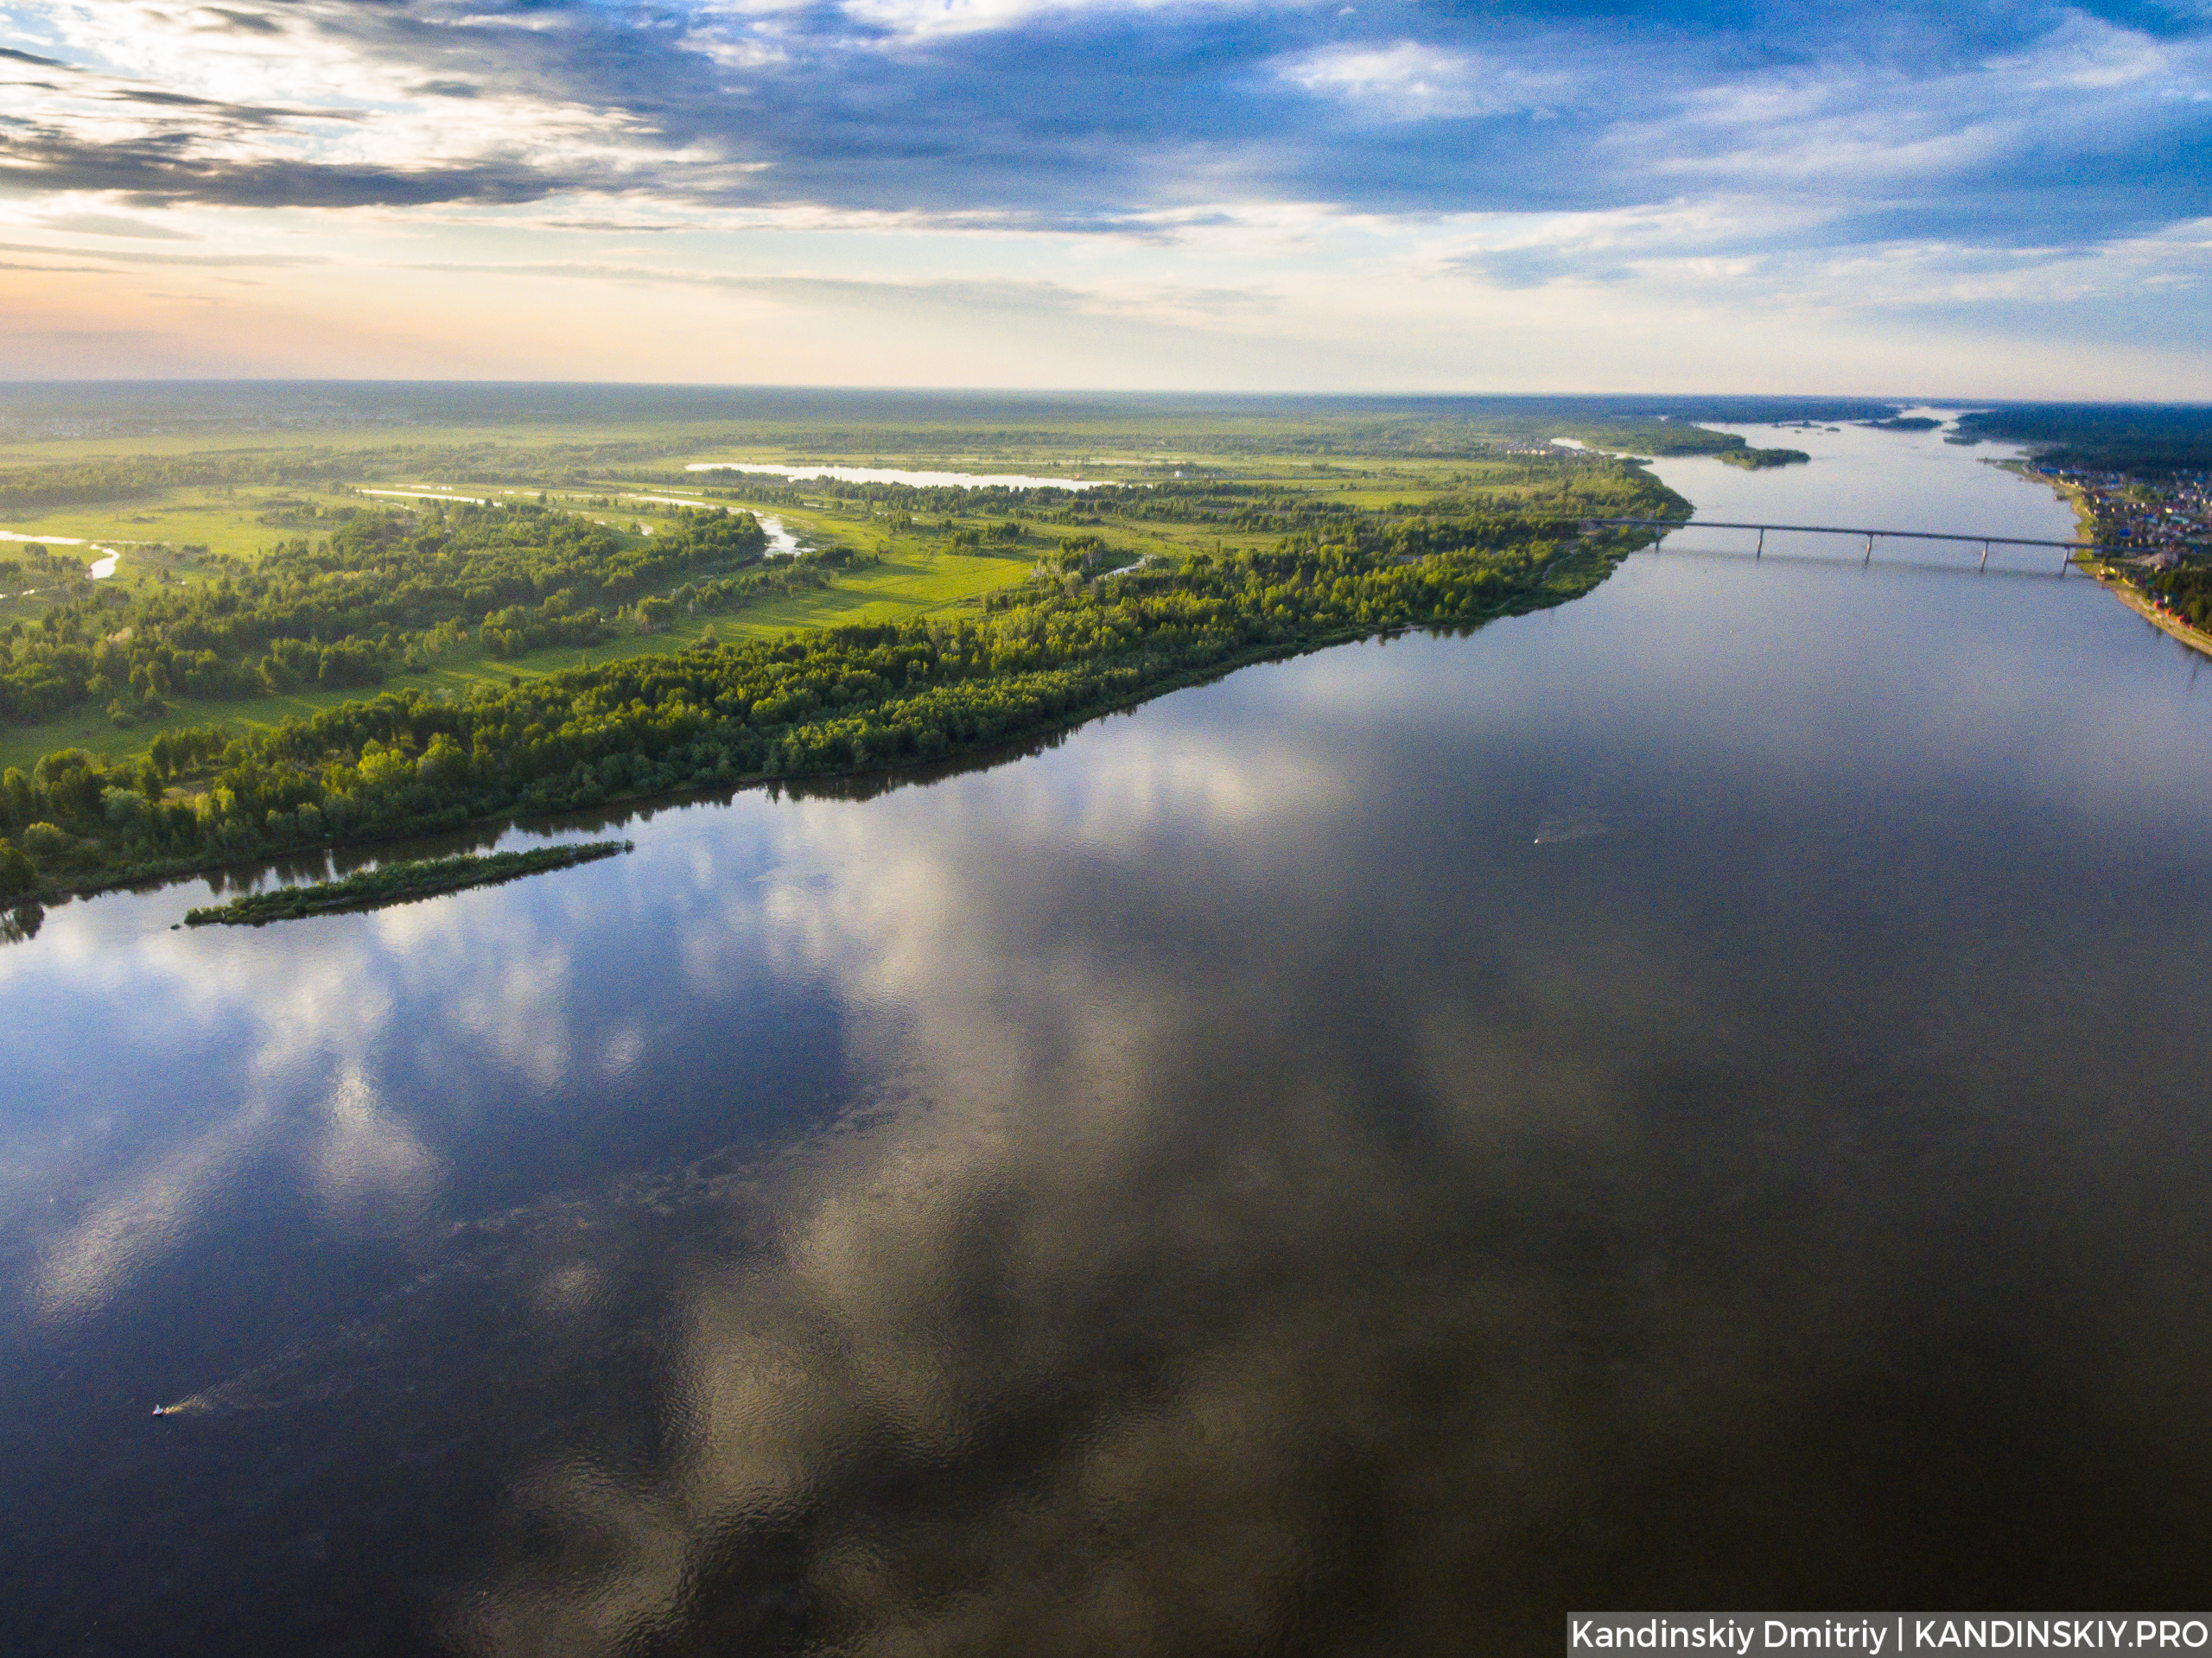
1695 1098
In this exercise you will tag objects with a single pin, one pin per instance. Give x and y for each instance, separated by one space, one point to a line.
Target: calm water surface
1694 1098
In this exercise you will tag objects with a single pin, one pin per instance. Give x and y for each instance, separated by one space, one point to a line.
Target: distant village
2160 522
2157 537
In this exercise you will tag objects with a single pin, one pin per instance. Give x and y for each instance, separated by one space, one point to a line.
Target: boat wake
511 1279
300 1375
1570 825
505 1276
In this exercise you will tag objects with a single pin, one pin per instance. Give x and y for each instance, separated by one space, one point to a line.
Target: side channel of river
1691 1097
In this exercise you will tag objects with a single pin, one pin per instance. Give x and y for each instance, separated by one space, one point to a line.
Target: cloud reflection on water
139 1218
1143 1281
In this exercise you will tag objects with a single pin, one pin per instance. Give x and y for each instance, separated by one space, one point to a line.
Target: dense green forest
385 588
837 699
374 590
2148 440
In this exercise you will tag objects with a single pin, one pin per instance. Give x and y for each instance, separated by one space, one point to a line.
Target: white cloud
921 19
2086 85
1409 81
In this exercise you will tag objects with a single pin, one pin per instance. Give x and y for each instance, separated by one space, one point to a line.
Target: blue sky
1977 199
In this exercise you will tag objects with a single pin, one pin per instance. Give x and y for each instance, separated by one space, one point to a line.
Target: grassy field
223 522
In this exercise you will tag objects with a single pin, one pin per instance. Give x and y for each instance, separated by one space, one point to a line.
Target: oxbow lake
1693 1098
100 568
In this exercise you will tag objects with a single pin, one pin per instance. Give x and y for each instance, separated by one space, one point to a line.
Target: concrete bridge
1872 537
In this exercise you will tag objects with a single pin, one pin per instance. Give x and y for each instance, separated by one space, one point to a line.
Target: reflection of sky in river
1229 1181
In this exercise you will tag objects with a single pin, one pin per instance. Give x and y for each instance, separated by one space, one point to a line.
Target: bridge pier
1760 551
1869 559
1983 567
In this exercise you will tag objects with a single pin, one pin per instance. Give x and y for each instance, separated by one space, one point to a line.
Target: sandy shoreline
2128 595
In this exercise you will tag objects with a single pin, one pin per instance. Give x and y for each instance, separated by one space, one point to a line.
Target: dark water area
1697 1097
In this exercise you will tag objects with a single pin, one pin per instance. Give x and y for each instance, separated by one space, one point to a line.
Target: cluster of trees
903 503
2187 589
991 537
290 511
36 566
841 699
554 620
1231 508
385 588
1081 556
2149 440
721 592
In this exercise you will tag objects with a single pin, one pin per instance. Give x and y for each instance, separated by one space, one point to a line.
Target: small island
1902 424
1752 459
397 883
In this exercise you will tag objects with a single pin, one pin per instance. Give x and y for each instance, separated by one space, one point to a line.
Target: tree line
2187 589
1577 485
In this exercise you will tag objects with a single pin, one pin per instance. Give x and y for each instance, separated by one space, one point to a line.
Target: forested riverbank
838 700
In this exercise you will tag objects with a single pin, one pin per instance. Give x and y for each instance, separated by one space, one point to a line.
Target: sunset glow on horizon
2005 200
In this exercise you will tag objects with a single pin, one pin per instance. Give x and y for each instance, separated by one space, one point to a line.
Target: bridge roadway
1873 536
